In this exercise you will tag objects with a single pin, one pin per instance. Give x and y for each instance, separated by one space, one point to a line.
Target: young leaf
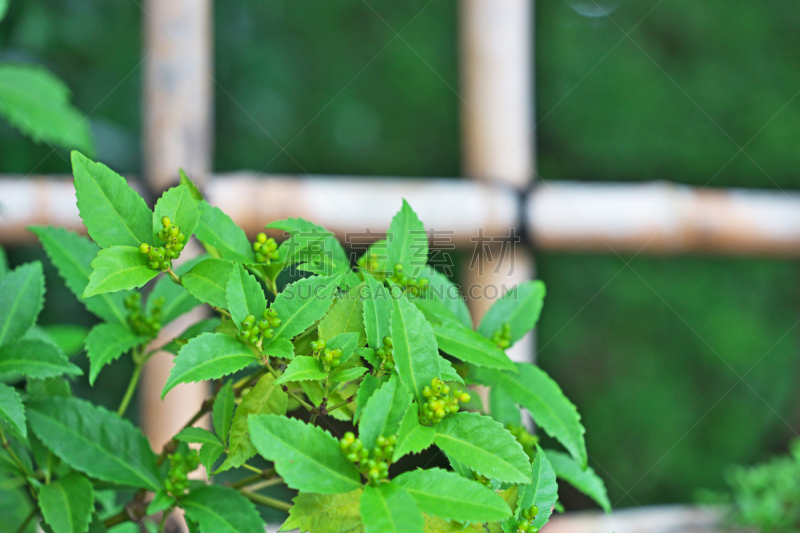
444 291
221 510
483 445
412 437
519 307
177 300
586 481
161 502
302 303
407 242
345 316
197 435
450 496
72 256
118 268
347 342
384 411
114 214
209 453
532 388
188 183
105 343
365 391
35 359
95 441
222 412
180 207
377 312
318 513
216 229
266 398
21 300
542 491
209 356
67 503
307 457
312 245
343 375
470 346
282 348
388 508
302 368
244 295
12 411
208 280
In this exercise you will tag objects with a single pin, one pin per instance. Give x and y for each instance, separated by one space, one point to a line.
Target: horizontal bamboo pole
653 519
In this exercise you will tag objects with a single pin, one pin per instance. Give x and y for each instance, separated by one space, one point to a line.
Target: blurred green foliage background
651 352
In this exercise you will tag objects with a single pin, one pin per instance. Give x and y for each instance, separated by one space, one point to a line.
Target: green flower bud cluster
502 337
254 333
266 249
440 402
160 257
329 358
386 355
371 262
416 287
526 440
141 324
528 515
180 465
373 464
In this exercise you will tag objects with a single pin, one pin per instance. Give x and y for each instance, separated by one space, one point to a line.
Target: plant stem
310 408
249 480
342 404
271 286
174 277
27 521
163 521
7 446
123 406
118 518
222 311
264 484
266 501
252 469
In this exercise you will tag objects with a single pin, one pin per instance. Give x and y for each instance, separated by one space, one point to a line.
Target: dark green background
651 353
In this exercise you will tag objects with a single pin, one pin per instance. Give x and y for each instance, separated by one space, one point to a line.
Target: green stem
249 480
271 285
118 518
7 447
266 501
342 404
163 523
255 487
174 277
27 521
123 406
252 468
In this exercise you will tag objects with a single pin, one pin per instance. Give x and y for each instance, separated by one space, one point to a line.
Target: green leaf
266 398
586 481
321 513
302 303
244 295
95 441
345 316
15 506
187 182
37 103
21 300
3 261
208 280
377 312
445 292
118 268
343 375
209 356
503 408
365 391
72 256
69 337
177 300
307 457
12 411
407 242
470 346
384 411
114 214
221 510
161 502
197 435
302 368
209 453
216 229
3 8
209 325
105 343
313 245
520 308
222 411
542 491
450 496
35 359
416 354
483 445
532 388
67 503
412 437
347 342
282 348
180 206
388 508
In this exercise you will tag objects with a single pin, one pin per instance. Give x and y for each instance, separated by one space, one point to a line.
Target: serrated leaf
542 491
118 268
378 307
209 356
520 308
342 375
197 435
105 343
208 280
161 502
483 445
67 503
472 347
450 496
177 300
368 355
407 242
37 103
21 300
95 441
312 245
307 457
221 510
69 337
448 372
209 325
383 412
222 411
244 295
586 481
302 303
532 388
35 359
216 229
320 513
12 411
445 292
114 214
209 453
345 316
503 408
412 437
365 391
72 256
302 368
266 398
282 348
179 205
388 508
187 182
347 342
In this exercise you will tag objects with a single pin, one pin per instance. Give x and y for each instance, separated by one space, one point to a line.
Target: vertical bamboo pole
177 134
498 127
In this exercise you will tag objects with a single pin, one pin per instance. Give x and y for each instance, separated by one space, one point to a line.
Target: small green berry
166 222
261 238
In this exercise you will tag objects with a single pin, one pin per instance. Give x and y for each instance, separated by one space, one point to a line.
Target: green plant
382 347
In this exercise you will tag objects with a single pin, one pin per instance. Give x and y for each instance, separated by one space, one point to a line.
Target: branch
266 501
